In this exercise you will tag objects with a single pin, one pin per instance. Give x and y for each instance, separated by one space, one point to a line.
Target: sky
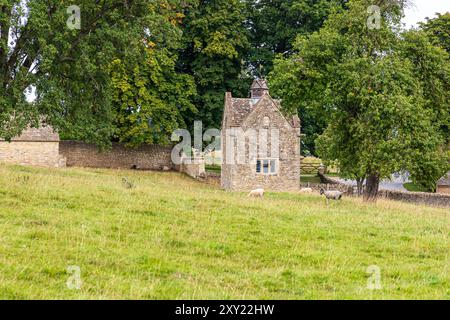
423 9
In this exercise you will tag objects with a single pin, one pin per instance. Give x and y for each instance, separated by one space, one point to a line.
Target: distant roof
445 180
43 133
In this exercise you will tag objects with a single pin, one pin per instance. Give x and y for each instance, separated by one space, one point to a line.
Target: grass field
173 238
310 179
411 187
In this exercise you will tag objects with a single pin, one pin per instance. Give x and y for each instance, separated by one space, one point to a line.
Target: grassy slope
411 187
174 238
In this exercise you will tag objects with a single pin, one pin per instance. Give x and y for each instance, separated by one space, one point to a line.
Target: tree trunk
372 185
360 186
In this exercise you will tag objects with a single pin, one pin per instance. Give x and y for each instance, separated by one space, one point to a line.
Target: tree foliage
438 30
150 98
138 59
67 66
274 25
381 116
214 43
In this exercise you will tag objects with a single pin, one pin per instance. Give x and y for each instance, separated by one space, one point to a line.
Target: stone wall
347 190
443 189
194 168
33 153
430 199
213 178
79 154
34 147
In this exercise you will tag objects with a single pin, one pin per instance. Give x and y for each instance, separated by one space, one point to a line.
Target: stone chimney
259 88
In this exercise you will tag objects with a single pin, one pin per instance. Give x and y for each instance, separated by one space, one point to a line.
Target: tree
432 70
44 47
214 45
150 99
274 25
379 118
438 30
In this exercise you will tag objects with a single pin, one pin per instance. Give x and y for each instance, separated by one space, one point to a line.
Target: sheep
256 193
306 190
331 195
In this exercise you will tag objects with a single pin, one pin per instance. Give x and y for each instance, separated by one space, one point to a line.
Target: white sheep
306 190
256 193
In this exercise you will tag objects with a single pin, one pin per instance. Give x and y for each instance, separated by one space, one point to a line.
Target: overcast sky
423 9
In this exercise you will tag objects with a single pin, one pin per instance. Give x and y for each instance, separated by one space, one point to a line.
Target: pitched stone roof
240 108
260 84
43 133
445 180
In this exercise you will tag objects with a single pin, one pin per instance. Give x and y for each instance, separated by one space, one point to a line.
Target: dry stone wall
32 153
150 157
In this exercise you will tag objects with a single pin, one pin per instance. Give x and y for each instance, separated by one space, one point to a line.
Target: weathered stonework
148 157
430 199
443 185
260 114
41 154
35 147
194 168
443 189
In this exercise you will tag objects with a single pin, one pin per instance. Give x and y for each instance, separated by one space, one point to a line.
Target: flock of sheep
329 195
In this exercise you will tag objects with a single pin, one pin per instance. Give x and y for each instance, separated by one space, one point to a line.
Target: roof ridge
445 180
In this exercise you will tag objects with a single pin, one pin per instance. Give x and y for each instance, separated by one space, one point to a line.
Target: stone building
260 145
36 147
443 185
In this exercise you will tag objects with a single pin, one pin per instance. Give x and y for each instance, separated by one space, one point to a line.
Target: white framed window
267 166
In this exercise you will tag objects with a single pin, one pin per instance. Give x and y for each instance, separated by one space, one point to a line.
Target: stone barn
443 185
260 144
35 147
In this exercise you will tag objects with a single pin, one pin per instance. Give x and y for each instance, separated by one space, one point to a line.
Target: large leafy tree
151 99
274 25
438 30
66 66
380 118
215 41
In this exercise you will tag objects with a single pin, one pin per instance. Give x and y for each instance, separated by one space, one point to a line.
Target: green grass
213 168
173 238
411 187
310 179
333 175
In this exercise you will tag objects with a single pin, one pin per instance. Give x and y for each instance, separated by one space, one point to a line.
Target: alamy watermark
242 146
74 20
374 280
74 281
374 19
